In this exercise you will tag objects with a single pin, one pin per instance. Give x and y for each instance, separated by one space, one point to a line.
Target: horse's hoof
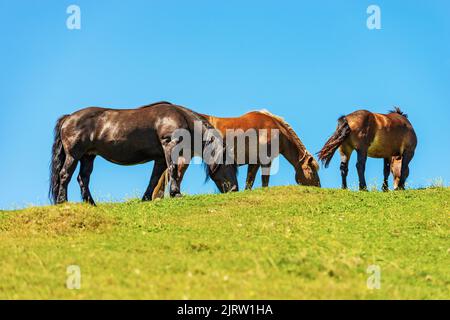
176 195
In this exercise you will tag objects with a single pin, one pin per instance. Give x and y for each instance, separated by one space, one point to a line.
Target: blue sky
308 61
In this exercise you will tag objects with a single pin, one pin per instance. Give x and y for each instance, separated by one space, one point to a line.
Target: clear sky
308 61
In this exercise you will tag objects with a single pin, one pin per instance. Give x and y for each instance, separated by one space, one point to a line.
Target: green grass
277 243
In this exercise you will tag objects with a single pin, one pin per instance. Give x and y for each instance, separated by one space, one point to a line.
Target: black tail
342 131
58 158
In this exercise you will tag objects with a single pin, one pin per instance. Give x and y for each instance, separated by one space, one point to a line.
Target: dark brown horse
128 137
388 136
290 146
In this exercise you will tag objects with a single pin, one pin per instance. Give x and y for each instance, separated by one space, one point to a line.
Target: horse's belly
128 155
126 161
258 153
376 149
382 147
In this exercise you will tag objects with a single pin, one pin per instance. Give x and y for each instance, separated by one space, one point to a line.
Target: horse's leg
251 175
173 168
361 167
177 176
65 175
406 158
396 168
182 167
265 174
345 158
86 167
386 172
158 169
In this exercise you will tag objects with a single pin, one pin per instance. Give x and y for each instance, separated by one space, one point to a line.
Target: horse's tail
57 161
158 192
342 132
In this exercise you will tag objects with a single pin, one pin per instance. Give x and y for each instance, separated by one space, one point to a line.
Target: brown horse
290 146
128 137
388 136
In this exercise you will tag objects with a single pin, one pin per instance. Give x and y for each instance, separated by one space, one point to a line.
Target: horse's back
360 119
81 122
383 135
251 120
260 120
124 136
96 118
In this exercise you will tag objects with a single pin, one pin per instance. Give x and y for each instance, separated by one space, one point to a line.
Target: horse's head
216 157
224 176
306 172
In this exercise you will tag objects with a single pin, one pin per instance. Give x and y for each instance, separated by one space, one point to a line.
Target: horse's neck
221 124
213 120
290 151
287 147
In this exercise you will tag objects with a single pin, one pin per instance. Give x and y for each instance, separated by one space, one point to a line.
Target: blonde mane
291 133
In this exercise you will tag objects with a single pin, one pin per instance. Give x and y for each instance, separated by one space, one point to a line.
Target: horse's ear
313 163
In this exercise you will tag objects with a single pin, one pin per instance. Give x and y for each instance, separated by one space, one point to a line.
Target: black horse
127 137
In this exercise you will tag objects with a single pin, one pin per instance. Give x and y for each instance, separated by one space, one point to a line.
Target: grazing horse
290 146
388 136
128 137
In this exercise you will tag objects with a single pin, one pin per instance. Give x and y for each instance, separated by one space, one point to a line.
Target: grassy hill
277 243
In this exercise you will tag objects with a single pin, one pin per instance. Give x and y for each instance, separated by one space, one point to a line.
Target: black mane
400 112
156 103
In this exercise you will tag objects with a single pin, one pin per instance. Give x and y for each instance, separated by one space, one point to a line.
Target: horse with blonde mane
290 146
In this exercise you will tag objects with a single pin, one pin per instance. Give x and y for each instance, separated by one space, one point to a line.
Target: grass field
278 243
